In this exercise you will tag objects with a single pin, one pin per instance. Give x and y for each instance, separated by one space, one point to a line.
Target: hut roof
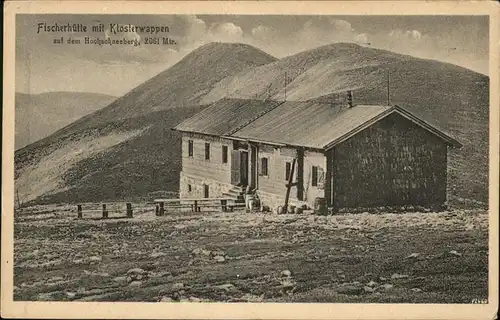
296 123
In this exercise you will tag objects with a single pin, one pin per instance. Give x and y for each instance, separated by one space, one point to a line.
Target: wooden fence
104 209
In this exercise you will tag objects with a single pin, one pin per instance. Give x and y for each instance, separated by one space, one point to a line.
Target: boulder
219 258
135 271
95 259
135 283
178 285
386 286
368 289
350 289
372 284
286 273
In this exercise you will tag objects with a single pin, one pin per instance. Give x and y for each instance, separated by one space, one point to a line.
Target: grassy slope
59 258
39 115
140 164
453 98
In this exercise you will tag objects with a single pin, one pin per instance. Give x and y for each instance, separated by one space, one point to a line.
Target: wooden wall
197 165
318 159
392 163
275 182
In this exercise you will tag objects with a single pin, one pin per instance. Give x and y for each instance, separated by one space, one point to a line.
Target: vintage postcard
250 160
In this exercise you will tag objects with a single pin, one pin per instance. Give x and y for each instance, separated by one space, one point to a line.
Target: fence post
104 211
162 208
129 210
79 210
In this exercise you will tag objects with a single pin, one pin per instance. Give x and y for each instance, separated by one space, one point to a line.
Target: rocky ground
251 257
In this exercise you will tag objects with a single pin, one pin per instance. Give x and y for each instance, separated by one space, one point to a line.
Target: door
253 166
244 168
235 167
206 193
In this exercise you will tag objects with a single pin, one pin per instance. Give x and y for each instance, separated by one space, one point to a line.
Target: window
288 169
206 192
207 151
263 166
189 188
314 178
224 154
190 148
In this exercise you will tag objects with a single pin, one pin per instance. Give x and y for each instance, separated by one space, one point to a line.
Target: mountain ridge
41 114
448 96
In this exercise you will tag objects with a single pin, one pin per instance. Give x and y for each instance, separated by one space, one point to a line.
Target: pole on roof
285 85
388 88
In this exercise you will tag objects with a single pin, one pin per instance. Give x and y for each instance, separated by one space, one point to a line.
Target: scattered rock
135 283
455 253
399 276
166 299
372 284
102 274
382 278
286 273
95 259
416 290
70 295
227 286
413 255
219 258
194 299
350 290
386 286
368 289
121 279
252 298
177 285
287 283
157 254
45 296
136 271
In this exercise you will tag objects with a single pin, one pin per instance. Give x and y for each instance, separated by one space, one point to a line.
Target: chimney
349 98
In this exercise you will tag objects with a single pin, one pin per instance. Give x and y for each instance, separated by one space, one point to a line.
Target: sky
43 66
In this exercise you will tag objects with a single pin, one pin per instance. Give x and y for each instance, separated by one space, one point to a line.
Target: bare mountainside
39 115
451 97
129 149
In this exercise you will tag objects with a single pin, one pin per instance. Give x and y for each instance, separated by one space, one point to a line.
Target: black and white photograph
242 158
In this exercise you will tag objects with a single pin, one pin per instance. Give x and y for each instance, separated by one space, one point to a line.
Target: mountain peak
229 48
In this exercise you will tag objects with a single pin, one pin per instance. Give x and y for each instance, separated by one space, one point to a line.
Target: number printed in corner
479 301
